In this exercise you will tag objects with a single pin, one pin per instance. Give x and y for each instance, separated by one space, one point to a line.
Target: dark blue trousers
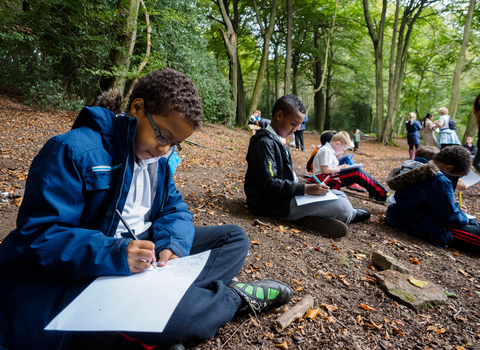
208 303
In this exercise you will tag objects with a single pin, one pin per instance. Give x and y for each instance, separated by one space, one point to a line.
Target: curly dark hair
166 90
288 104
457 156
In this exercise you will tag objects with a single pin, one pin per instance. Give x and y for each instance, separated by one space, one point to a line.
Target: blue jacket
65 227
304 123
413 134
425 205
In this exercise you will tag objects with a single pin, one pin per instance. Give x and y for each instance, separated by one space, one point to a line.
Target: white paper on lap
142 302
306 199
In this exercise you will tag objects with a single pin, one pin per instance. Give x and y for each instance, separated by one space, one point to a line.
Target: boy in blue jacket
68 234
424 200
271 184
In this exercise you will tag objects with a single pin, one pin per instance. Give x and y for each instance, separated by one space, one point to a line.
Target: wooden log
294 313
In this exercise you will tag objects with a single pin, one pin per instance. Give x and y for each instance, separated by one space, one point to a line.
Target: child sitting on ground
67 232
271 184
425 204
326 167
470 147
347 159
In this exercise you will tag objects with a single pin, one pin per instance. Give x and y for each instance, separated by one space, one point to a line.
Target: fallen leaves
366 307
415 261
417 283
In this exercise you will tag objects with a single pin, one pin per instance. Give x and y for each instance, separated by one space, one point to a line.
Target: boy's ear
278 115
137 106
448 168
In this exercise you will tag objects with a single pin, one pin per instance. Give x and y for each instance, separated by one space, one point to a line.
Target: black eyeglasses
162 139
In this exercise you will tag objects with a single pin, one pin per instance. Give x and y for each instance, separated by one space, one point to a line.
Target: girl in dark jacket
413 135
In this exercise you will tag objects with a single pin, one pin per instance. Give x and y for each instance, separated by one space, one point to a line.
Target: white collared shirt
325 156
140 197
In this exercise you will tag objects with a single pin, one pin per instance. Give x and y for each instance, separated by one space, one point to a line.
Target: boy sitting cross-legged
271 184
326 166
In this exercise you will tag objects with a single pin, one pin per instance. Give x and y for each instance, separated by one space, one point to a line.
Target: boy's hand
166 255
139 255
316 189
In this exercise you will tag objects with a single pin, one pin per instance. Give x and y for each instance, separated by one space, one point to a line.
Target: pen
460 199
318 181
130 231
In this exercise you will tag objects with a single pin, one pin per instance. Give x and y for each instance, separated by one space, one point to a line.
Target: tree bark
277 84
471 129
288 54
319 103
267 34
230 40
121 57
461 59
377 39
241 110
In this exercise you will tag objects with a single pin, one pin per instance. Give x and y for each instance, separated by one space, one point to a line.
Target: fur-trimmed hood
412 172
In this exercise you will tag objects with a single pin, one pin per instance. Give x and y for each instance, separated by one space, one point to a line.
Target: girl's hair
443 111
476 110
457 156
411 117
162 91
288 104
341 136
428 116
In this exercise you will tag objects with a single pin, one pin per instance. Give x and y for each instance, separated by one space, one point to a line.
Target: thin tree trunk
230 40
277 84
377 39
128 36
241 110
471 129
319 103
461 59
288 54
267 34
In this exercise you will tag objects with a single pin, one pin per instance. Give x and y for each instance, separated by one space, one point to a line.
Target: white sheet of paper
141 302
471 178
353 166
302 200
469 216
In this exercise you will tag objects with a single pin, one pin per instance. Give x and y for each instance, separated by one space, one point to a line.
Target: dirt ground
336 273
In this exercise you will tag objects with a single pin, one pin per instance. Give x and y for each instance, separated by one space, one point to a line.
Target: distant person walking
447 135
356 139
429 137
299 134
413 135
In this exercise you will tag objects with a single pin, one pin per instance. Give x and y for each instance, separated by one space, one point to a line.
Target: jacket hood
261 134
412 176
100 119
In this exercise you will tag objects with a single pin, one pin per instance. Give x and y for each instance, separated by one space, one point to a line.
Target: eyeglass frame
159 136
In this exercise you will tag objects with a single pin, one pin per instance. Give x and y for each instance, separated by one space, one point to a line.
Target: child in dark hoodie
424 200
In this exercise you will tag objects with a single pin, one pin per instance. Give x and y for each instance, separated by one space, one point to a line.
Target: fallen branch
221 346
294 313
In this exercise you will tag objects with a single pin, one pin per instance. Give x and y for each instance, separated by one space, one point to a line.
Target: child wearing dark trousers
326 167
424 200
68 232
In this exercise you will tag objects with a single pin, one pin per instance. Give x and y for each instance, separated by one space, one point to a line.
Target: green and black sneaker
262 295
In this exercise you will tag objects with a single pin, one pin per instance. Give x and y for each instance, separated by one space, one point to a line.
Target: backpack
310 161
452 124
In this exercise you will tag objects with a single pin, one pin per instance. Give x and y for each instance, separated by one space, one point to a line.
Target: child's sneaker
357 187
331 227
261 295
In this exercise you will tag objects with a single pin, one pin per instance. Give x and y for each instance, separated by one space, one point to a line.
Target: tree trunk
377 39
319 103
397 60
461 59
277 84
230 40
295 72
241 110
121 57
267 34
328 105
471 129
288 54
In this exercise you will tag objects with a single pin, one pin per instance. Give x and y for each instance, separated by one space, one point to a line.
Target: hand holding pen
140 253
317 190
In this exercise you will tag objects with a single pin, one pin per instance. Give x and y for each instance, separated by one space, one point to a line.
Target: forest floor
336 273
